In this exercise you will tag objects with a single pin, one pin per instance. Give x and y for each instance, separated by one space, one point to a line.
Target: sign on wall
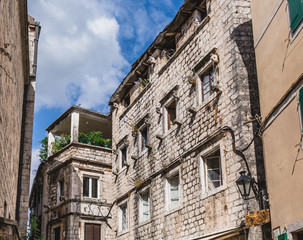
257 218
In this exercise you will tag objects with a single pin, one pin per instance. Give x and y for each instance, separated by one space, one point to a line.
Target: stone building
72 190
174 116
277 27
19 35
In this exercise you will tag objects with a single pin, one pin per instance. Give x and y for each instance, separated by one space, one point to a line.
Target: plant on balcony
94 138
142 82
60 142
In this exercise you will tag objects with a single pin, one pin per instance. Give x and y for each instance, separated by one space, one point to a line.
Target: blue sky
86 48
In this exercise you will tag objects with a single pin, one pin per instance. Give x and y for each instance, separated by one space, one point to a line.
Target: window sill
168 132
171 211
122 170
120 233
143 223
214 192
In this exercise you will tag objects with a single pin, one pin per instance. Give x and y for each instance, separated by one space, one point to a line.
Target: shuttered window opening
92 231
144 207
173 194
296 13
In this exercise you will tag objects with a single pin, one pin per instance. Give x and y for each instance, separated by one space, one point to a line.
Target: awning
221 235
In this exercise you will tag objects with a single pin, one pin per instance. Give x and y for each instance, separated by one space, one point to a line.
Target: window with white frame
170 111
144 206
123 217
143 138
90 187
173 192
207 83
295 8
211 171
122 157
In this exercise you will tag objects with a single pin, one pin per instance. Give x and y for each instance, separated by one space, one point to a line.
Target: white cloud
78 43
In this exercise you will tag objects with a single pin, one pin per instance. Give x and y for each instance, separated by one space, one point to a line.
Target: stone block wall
12 80
227 29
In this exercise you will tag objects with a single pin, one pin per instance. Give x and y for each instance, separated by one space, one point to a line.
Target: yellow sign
257 218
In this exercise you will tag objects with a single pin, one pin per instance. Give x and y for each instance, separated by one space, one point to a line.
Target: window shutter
296 13
96 232
301 104
88 232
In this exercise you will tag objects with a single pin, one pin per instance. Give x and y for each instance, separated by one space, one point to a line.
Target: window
207 83
60 190
211 171
144 207
296 13
297 235
173 192
170 115
123 217
92 231
301 107
57 233
90 187
143 138
123 157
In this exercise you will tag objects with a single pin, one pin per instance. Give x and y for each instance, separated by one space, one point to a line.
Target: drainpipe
37 32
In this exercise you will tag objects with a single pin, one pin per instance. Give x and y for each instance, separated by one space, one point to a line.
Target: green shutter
296 13
301 104
283 236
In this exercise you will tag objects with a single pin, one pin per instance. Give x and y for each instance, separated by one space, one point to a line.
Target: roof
164 40
80 110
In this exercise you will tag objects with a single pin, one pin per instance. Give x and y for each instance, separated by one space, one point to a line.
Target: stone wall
13 77
182 147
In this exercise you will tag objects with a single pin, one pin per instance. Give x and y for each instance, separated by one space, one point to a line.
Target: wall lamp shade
244 184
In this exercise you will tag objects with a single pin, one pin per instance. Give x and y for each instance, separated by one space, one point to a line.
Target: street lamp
244 184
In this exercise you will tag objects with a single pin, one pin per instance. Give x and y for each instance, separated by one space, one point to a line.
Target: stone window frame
90 177
55 226
202 171
144 123
165 102
124 203
59 189
124 143
199 74
145 191
171 174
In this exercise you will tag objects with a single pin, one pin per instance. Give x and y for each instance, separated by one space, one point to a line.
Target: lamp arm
241 154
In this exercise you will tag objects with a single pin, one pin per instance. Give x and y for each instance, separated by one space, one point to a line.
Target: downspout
37 31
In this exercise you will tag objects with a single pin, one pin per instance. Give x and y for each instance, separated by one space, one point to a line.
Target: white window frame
141 206
203 170
165 114
294 34
90 186
120 223
199 81
168 202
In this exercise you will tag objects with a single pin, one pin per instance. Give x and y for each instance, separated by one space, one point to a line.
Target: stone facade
16 117
215 36
58 195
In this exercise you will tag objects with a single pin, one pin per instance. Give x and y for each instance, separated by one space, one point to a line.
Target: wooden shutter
296 13
89 231
97 231
301 105
92 231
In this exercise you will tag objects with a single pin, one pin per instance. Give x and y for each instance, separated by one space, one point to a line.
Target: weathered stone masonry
218 27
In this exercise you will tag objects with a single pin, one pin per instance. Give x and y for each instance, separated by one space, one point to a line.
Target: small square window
123 217
123 157
207 83
143 138
297 235
90 187
170 114
173 192
211 171
144 207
